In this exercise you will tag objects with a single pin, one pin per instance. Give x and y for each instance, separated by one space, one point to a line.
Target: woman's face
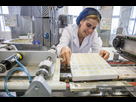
87 26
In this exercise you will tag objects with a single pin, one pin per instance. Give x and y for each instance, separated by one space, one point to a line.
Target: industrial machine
125 46
33 27
47 65
48 76
42 74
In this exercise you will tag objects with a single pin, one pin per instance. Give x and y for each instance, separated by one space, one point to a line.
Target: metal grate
43 10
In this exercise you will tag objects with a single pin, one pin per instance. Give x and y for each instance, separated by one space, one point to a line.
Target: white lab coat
70 39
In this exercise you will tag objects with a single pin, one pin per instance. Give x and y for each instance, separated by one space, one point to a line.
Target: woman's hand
104 54
66 54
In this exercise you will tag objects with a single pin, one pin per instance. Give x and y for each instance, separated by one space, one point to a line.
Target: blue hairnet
86 12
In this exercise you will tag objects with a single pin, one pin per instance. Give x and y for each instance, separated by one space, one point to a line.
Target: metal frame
30 56
75 88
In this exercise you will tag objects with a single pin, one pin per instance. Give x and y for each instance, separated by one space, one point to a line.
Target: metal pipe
22 86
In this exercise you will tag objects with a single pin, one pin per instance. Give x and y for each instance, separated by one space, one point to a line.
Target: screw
76 85
36 87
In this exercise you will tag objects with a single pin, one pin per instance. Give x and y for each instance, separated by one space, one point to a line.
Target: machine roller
9 62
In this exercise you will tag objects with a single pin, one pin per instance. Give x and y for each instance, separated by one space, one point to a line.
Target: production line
88 72
30 66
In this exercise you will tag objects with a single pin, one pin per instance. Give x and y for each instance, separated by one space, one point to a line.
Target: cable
17 68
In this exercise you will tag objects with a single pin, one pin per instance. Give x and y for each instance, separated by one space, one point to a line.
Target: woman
81 37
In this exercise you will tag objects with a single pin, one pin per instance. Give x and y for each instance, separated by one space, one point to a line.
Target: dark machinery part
2 68
9 47
42 72
9 62
128 56
59 6
45 67
118 42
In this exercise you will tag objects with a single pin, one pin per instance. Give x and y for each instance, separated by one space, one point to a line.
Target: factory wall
106 11
5 34
64 10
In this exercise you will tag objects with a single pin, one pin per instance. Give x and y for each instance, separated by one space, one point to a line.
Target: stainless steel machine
51 77
42 69
39 25
125 46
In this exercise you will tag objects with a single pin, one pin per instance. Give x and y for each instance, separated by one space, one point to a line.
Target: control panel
10 20
105 23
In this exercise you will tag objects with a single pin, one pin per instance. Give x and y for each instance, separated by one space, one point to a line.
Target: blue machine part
46 35
36 42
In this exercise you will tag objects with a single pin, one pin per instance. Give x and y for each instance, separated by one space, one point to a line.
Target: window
75 11
133 12
115 19
4 10
114 25
130 27
132 22
116 10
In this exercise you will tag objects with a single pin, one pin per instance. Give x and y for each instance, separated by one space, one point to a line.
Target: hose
14 69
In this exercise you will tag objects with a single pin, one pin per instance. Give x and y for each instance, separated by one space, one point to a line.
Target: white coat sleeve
96 44
64 40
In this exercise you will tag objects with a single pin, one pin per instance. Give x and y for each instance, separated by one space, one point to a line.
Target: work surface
111 50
